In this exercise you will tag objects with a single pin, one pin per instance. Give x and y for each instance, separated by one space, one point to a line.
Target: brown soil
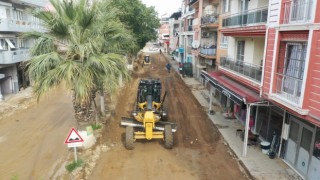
199 152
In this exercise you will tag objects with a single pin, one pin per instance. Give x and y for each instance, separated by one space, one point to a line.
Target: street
198 152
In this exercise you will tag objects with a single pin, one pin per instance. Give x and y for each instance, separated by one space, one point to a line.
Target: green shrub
72 166
15 177
96 126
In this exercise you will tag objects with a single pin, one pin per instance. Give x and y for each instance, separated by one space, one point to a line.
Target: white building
14 50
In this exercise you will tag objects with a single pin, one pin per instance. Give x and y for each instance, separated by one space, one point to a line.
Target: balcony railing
297 12
9 57
210 19
208 51
246 18
13 25
289 88
249 70
41 3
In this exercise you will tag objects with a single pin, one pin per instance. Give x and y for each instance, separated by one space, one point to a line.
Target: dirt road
198 153
31 138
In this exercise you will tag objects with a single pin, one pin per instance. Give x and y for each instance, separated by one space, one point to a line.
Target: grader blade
125 121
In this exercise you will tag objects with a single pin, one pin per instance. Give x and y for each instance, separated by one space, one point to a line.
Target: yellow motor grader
149 116
146 60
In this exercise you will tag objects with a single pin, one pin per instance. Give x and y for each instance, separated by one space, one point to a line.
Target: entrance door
299 144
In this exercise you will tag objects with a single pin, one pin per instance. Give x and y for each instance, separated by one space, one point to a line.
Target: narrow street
198 152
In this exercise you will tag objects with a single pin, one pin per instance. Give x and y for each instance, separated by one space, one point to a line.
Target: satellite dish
195 44
208 10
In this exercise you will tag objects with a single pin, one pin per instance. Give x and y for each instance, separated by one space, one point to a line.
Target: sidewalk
259 165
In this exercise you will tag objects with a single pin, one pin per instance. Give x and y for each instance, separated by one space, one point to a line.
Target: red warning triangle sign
73 137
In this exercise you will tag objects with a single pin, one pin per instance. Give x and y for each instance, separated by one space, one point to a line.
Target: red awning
247 95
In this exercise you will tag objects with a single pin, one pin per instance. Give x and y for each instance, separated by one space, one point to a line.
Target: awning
233 90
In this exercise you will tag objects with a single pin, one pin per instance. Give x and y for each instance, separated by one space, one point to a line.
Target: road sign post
74 140
75 154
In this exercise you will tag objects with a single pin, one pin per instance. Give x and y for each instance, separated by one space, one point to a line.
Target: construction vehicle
149 116
146 60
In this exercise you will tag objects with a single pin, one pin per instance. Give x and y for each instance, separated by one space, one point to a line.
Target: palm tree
74 51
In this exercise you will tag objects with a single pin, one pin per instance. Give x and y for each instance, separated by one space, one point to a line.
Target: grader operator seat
149 94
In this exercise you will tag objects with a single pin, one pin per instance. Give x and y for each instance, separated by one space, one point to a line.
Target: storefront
301 146
237 101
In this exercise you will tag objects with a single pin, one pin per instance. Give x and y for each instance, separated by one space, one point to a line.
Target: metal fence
249 70
289 87
208 51
210 19
246 17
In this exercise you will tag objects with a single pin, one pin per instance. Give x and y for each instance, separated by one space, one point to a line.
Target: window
225 6
10 43
300 10
3 44
18 14
20 43
293 70
224 41
240 50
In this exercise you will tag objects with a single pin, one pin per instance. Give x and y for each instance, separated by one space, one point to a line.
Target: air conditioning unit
205 34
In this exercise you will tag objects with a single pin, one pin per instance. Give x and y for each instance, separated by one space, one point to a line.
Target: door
299 146
244 11
240 56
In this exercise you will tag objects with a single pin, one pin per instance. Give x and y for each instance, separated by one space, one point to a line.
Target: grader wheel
129 138
168 137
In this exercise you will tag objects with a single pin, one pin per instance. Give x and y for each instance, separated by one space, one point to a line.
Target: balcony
245 18
210 20
298 12
10 57
12 25
208 51
41 3
248 70
288 88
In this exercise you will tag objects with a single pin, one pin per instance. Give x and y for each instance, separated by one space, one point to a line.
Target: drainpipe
1 96
246 135
210 102
282 132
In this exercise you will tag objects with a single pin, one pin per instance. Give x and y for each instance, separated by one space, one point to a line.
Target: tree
74 51
141 20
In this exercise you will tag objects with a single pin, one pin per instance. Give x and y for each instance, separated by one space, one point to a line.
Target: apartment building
268 75
174 26
186 33
164 31
206 24
240 52
14 50
292 80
